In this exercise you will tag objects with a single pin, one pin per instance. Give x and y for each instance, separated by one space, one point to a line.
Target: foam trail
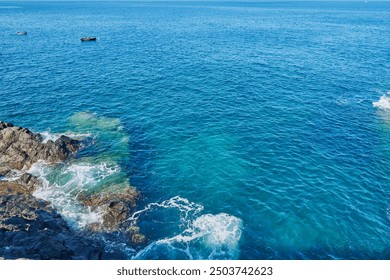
182 204
202 236
383 103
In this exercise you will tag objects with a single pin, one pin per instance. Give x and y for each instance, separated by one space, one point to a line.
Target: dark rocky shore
30 227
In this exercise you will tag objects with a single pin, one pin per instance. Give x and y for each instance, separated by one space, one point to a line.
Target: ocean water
253 130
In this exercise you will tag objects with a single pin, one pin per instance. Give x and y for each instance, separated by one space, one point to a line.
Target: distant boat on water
21 33
88 39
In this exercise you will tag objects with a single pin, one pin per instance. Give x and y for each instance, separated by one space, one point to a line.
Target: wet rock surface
29 182
30 227
115 209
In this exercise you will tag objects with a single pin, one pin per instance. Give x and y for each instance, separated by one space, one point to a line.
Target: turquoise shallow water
249 128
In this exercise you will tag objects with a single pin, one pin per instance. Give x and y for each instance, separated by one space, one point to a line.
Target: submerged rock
20 148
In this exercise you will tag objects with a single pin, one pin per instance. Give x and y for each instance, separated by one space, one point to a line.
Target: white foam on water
221 232
383 103
84 175
62 183
185 207
69 181
46 135
203 236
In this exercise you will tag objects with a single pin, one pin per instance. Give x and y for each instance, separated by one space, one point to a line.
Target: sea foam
204 236
383 103
61 187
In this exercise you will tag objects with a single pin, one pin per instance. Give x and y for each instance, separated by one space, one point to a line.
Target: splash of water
202 237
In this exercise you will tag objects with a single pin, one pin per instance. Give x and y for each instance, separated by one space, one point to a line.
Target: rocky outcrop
116 208
31 227
20 148
29 182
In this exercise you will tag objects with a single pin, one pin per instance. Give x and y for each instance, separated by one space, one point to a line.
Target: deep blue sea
253 130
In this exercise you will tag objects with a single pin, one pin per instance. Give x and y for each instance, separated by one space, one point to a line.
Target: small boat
88 39
21 33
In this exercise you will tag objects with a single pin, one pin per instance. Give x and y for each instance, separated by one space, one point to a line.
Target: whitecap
383 103
185 207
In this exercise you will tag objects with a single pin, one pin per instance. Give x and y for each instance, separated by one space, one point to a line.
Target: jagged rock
68 144
20 148
29 181
116 208
30 227
10 188
5 125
